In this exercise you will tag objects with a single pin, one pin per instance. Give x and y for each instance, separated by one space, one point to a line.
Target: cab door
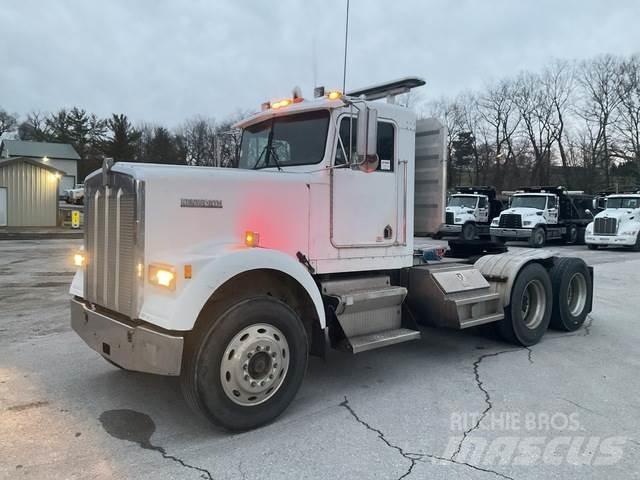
364 206
551 213
483 210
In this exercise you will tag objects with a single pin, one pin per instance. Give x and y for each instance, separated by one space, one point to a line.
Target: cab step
369 311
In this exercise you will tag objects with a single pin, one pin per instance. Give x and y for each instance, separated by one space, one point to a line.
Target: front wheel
538 238
592 246
529 311
468 231
246 366
571 236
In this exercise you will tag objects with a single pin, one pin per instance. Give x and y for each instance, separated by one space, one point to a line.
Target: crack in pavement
138 428
413 457
487 397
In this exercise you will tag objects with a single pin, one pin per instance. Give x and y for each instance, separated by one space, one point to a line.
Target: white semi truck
538 214
230 278
469 213
618 225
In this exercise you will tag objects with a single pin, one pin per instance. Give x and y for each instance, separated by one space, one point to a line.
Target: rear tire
572 294
469 231
538 238
636 247
571 236
591 246
529 311
244 367
498 240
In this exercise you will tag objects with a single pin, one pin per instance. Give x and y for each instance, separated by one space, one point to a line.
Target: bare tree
628 124
8 122
199 141
601 82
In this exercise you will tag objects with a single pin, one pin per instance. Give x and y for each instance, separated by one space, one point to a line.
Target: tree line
197 141
573 123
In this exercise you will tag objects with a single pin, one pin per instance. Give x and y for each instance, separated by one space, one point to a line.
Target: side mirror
367 139
588 212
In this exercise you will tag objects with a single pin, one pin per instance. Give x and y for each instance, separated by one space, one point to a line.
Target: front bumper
612 240
132 347
447 228
510 232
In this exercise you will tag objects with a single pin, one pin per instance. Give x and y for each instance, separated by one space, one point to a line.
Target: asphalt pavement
452 405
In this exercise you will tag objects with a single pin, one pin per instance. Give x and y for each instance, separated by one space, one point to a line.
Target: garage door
66 182
3 207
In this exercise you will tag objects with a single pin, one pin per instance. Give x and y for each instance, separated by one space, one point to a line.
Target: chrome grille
511 220
448 218
113 241
605 226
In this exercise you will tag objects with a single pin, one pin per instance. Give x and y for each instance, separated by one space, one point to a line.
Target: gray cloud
163 61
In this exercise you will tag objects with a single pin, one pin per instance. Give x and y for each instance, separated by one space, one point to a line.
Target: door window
385 143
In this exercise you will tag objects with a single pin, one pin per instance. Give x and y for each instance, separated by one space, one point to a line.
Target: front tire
572 294
469 231
592 246
538 238
245 367
571 237
528 314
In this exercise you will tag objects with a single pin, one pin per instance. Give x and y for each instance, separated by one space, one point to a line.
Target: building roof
21 148
4 162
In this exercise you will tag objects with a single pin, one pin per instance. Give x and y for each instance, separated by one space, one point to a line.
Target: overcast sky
164 61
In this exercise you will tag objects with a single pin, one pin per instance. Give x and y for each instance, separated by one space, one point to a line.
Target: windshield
297 139
463 201
529 201
623 202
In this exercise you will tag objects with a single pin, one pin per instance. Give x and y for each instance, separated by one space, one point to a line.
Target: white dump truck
618 225
538 214
230 277
469 213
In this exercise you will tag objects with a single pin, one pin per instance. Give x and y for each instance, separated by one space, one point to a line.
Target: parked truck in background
539 214
618 225
469 213
231 278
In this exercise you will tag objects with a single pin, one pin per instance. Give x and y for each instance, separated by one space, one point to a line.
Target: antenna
346 42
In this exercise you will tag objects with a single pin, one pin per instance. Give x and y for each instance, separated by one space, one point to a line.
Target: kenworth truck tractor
469 213
618 225
231 277
538 214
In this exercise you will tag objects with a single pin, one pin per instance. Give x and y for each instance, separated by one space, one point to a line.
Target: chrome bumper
613 240
133 347
510 232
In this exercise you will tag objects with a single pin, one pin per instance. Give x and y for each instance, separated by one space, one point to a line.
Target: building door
3 206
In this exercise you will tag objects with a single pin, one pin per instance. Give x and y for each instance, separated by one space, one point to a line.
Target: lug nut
249 355
271 377
246 378
275 365
262 383
253 384
258 348
273 354
267 348
245 366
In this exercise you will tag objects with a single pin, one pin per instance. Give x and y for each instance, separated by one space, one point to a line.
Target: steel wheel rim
577 294
254 364
534 299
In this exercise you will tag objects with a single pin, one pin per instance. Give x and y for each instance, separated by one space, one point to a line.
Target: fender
210 271
501 270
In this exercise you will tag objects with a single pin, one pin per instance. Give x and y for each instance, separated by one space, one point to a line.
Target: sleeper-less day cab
618 225
230 278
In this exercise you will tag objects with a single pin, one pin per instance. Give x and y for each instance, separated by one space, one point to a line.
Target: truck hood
620 214
186 208
525 212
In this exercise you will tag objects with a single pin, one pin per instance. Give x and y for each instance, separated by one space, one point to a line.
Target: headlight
162 276
495 222
526 224
457 219
79 258
630 232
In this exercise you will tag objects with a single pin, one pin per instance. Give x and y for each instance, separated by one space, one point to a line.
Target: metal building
28 193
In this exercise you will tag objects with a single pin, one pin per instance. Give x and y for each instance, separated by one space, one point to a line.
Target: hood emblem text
199 203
